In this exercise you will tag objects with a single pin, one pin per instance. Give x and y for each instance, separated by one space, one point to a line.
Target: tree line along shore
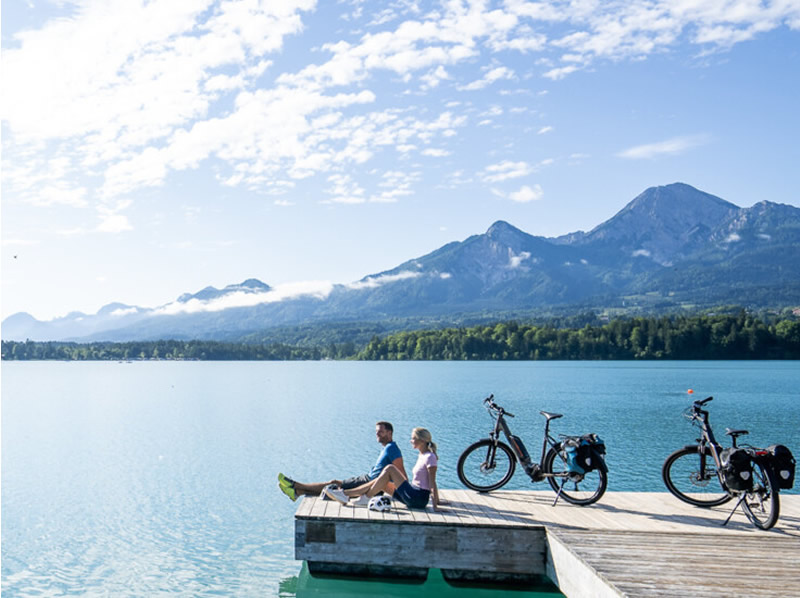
700 337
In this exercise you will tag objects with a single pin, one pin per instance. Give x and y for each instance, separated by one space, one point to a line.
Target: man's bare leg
314 489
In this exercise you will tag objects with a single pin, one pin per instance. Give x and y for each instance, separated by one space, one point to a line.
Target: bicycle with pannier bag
705 474
574 466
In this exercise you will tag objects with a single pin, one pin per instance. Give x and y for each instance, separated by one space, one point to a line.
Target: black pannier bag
737 469
782 462
590 452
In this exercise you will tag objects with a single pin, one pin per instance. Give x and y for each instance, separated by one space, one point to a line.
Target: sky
153 148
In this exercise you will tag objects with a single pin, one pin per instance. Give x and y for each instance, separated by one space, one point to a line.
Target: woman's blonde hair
425 436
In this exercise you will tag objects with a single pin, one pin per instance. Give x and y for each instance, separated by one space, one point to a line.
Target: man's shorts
355 481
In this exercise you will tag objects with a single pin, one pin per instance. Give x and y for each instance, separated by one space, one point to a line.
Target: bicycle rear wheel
483 468
761 504
577 489
682 475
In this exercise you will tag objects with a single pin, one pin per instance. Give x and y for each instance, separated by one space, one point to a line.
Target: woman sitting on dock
416 493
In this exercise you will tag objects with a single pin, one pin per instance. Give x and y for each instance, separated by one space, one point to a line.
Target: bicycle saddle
550 416
735 433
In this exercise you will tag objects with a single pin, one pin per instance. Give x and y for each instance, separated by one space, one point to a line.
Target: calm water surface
154 478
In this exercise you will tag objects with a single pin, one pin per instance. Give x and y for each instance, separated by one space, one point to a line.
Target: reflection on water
306 585
155 478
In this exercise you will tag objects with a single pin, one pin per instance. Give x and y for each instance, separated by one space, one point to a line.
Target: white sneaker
362 501
337 494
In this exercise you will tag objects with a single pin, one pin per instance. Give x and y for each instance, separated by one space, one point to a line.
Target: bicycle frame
489 463
534 470
757 491
707 441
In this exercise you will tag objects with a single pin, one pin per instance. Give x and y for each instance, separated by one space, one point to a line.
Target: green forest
740 336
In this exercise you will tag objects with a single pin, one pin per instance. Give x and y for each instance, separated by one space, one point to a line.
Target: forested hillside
739 336
701 337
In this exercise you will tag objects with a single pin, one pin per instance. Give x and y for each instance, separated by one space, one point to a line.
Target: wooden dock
629 544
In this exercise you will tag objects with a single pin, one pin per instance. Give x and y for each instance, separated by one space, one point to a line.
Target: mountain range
671 247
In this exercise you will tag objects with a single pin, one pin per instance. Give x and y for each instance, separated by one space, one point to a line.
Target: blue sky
154 148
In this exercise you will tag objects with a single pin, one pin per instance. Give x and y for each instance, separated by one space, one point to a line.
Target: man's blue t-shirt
389 453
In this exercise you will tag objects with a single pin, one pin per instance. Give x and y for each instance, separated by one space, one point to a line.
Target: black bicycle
574 466
706 475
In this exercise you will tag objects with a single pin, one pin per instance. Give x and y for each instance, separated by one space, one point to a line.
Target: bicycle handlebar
490 404
695 412
703 402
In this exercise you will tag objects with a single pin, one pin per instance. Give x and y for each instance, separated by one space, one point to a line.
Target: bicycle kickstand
736 506
558 494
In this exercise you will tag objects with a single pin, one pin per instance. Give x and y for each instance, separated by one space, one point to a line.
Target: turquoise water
157 477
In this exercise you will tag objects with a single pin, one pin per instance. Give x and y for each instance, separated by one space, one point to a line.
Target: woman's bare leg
389 474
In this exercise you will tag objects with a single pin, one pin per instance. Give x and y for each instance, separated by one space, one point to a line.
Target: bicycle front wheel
761 504
484 467
577 489
692 477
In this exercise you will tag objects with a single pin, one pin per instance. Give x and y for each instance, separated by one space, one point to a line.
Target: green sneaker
284 481
288 491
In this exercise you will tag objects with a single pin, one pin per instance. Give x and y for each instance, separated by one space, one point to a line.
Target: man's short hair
386 425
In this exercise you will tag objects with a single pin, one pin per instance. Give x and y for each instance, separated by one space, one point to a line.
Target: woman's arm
434 487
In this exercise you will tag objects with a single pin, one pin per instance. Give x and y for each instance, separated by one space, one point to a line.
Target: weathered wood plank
447 547
630 544
304 509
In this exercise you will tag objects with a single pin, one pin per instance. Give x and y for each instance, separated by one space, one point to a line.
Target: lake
151 478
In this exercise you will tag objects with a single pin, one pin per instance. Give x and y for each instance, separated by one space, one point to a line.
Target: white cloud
543 130
516 260
560 72
526 194
111 220
435 153
445 275
372 282
126 311
641 253
733 238
395 184
435 76
116 96
673 146
502 171
314 289
114 223
345 190
508 169
496 74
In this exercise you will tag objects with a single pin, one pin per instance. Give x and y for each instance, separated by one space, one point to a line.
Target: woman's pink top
419 476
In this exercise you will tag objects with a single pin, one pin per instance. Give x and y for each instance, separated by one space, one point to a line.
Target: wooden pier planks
643 564
629 544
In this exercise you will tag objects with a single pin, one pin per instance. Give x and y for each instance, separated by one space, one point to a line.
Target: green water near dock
306 585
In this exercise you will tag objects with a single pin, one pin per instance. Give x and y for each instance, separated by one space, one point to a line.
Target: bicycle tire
476 473
585 490
681 475
761 504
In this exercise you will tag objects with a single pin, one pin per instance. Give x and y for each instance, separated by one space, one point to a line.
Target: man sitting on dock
390 455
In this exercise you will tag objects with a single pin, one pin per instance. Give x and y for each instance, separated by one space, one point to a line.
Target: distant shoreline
719 337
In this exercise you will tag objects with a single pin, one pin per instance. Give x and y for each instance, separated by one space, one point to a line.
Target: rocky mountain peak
664 222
